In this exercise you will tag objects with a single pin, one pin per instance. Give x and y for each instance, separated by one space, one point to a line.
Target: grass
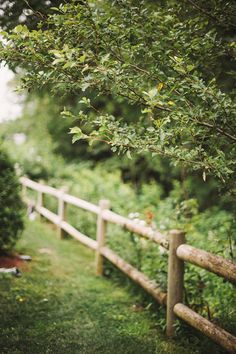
60 306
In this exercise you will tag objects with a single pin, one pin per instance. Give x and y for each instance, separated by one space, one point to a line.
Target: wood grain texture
208 261
101 235
175 281
217 334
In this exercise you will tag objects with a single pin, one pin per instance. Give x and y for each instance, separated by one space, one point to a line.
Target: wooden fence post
61 212
101 233
175 279
23 191
40 200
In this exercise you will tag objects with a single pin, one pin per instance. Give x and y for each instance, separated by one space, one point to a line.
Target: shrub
11 206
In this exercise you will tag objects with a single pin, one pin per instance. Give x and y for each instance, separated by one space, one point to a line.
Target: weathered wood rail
179 252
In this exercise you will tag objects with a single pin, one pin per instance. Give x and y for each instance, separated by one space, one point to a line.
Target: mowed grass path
60 306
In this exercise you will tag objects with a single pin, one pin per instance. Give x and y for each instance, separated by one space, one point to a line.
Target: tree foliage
166 59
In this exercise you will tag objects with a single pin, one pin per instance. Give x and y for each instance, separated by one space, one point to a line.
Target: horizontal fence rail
80 203
130 225
149 285
178 254
208 261
214 332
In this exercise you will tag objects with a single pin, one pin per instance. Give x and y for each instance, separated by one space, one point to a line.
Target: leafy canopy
163 57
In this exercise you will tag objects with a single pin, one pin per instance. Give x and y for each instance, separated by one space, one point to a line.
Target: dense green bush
11 206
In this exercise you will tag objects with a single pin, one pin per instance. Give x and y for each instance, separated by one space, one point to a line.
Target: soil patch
12 261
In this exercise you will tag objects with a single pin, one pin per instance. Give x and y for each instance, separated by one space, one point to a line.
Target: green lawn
60 306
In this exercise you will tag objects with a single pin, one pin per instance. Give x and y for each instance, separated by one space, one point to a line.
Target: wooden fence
179 252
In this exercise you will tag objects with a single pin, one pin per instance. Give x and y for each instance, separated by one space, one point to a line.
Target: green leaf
85 101
57 53
75 130
82 58
160 86
58 60
190 67
128 154
20 29
84 86
78 134
69 64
